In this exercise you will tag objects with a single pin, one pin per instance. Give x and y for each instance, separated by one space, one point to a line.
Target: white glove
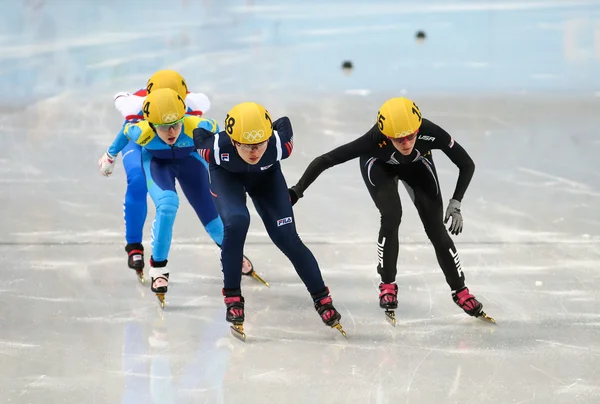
128 104
197 102
106 164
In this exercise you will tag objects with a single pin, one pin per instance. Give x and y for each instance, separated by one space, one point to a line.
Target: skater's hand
293 195
453 212
106 164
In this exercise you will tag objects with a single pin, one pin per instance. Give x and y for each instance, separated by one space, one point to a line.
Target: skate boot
248 270
388 300
135 260
160 283
466 301
234 301
328 313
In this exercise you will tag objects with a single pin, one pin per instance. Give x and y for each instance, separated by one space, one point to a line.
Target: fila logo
456 261
427 138
225 156
380 252
284 221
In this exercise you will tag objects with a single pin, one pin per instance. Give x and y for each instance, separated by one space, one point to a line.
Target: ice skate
135 259
388 300
235 315
160 284
248 270
328 313
466 301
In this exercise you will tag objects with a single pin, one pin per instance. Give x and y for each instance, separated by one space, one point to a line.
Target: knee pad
391 219
136 183
167 203
215 230
438 234
236 222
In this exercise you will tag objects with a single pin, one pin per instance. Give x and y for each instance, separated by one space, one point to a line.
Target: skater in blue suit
135 206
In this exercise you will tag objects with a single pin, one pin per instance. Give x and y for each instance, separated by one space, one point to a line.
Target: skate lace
237 312
328 315
466 300
388 291
236 308
159 282
388 298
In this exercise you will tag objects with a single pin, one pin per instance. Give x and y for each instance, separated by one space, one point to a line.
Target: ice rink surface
515 82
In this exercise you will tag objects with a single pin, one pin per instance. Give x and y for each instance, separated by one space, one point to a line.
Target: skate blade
141 278
486 318
390 316
161 300
338 327
237 330
256 276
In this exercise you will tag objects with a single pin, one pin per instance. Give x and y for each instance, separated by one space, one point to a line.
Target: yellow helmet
249 123
398 117
163 106
167 79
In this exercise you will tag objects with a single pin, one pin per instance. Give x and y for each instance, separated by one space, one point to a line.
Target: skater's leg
272 202
193 179
135 206
194 182
422 185
382 184
160 177
229 197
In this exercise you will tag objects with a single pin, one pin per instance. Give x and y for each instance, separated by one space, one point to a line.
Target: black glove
293 195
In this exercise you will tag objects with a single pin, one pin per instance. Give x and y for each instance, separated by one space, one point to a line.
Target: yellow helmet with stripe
398 117
249 123
167 79
163 106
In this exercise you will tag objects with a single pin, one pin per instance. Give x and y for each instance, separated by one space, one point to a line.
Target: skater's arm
457 155
466 168
119 143
205 141
283 126
336 156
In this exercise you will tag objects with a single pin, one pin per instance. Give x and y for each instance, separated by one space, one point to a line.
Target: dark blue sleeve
204 141
283 126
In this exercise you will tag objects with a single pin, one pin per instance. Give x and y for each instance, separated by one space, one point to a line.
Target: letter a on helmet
398 117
